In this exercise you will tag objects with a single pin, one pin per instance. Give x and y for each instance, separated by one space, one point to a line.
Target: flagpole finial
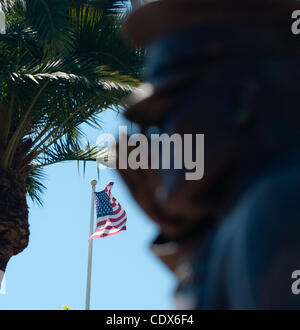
93 182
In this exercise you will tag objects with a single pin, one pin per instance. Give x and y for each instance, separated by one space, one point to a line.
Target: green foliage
62 62
66 308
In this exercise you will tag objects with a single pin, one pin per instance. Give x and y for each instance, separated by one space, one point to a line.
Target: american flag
111 218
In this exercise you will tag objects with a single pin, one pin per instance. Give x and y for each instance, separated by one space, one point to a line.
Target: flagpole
89 269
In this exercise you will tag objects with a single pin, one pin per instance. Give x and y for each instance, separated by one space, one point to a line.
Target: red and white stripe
111 224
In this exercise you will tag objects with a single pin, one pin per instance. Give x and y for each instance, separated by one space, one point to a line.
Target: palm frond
68 148
34 184
62 63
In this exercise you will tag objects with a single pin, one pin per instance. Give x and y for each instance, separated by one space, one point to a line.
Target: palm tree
62 62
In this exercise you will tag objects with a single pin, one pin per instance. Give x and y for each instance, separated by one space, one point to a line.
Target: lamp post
2 21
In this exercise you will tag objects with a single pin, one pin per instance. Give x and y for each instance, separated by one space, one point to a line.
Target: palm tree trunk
14 227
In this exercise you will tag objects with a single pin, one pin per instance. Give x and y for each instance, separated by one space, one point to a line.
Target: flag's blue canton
103 205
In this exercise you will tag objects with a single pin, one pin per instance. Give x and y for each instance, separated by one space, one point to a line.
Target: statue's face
208 96
201 107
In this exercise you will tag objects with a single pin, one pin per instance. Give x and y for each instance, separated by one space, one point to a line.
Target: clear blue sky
51 272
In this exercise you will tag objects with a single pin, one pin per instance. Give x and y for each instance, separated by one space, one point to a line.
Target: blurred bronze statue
227 69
